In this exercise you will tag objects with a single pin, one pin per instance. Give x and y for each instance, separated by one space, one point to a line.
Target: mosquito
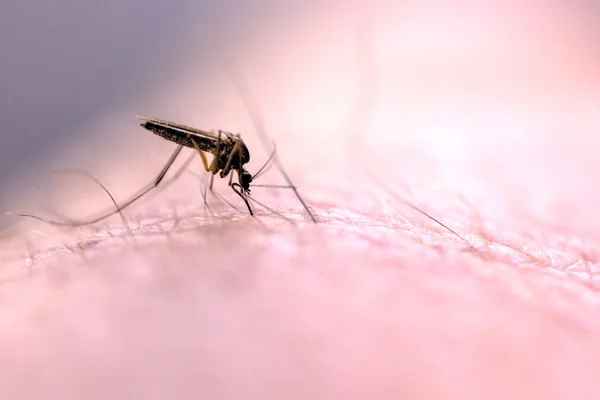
229 151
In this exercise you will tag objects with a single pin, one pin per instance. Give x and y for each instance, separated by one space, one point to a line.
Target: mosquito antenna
251 104
264 172
256 175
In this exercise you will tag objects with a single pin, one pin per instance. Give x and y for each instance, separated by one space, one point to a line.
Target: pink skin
376 301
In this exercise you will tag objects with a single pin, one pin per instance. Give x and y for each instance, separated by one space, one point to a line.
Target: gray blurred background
62 62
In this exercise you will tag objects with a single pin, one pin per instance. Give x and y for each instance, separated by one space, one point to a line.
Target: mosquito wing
181 134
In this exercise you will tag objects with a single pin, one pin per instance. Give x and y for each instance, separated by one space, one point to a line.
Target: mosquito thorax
244 154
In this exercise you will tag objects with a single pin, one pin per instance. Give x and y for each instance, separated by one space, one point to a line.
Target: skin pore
489 127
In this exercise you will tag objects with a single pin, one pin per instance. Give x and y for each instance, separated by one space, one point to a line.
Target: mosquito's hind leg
214 165
141 193
202 155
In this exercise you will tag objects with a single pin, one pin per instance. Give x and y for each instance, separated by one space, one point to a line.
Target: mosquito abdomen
179 137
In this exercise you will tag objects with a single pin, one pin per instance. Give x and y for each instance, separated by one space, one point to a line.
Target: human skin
374 301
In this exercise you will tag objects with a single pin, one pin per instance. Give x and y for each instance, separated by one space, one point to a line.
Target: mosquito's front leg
235 150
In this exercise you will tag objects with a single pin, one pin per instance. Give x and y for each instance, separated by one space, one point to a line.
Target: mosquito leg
221 198
179 172
202 155
152 185
243 91
215 162
214 166
120 208
233 151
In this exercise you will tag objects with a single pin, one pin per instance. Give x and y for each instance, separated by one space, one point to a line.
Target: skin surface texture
484 117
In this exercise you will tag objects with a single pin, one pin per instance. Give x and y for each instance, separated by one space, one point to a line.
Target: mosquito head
245 180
